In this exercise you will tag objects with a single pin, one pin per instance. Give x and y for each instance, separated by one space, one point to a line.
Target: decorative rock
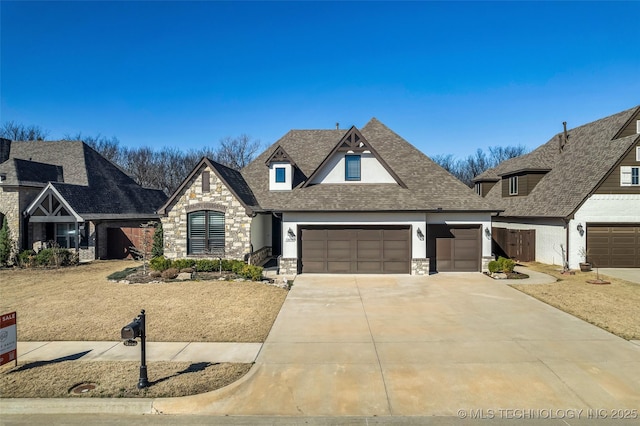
182 276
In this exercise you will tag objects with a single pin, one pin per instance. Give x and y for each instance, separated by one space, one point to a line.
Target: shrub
120 275
251 272
155 274
170 273
183 263
237 266
6 244
55 257
508 265
207 265
494 266
160 263
157 249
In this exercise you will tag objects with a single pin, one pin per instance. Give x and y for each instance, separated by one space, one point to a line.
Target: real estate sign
8 338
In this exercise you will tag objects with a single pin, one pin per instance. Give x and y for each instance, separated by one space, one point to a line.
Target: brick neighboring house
578 192
64 191
332 201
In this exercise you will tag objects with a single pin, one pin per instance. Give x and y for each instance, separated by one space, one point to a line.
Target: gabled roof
589 155
230 177
279 156
354 142
92 185
428 187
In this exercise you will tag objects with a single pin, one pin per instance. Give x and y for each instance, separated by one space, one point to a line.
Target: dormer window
513 185
281 175
352 167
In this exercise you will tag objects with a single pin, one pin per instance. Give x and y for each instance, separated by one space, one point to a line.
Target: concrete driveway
436 345
629 274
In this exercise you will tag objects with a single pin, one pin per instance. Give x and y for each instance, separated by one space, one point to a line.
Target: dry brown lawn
614 307
79 303
113 379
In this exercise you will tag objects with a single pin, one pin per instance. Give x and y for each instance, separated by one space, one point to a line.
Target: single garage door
355 250
457 248
614 246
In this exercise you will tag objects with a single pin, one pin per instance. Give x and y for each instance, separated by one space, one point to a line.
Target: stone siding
288 266
485 263
258 257
12 203
218 198
420 266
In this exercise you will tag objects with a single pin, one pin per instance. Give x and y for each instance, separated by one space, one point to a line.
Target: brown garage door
457 248
614 246
355 250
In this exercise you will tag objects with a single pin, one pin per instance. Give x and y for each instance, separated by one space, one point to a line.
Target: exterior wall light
487 232
291 234
420 234
580 229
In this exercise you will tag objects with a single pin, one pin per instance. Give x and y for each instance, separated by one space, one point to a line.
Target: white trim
513 185
40 198
638 149
638 127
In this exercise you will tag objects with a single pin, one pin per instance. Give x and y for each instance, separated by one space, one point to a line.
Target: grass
614 307
79 303
116 379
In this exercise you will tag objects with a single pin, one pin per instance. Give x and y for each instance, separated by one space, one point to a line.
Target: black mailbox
132 330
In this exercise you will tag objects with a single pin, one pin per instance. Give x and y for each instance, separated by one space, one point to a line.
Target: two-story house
332 201
577 194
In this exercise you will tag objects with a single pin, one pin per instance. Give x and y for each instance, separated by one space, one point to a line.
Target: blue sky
448 77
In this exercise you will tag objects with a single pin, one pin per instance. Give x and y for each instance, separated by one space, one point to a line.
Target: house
66 192
577 194
332 201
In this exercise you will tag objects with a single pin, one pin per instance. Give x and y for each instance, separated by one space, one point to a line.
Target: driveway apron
403 345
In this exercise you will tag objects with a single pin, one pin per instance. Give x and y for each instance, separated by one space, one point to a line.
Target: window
637 126
205 233
513 185
638 152
352 167
629 176
478 189
66 235
281 175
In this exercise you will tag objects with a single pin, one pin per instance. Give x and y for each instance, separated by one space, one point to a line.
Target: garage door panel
614 246
458 250
356 249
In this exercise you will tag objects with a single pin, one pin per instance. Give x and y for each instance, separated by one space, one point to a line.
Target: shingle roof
429 186
92 185
586 159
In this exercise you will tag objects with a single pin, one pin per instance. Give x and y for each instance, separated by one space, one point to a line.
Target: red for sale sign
8 338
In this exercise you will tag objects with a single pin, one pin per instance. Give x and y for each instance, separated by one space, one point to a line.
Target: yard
614 307
79 303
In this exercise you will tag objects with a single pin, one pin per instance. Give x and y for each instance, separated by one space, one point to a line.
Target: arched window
205 233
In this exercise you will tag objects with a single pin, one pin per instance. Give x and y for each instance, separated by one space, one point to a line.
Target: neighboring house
578 192
332 201
66 192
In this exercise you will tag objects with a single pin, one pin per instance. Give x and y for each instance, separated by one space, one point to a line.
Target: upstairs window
205 233
281 175
478 189
629 176
638 152
352 167
513 185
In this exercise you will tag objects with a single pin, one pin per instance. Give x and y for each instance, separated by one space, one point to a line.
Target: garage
614 246
457 248
355 249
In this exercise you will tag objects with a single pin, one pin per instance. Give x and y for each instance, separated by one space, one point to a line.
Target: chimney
337 126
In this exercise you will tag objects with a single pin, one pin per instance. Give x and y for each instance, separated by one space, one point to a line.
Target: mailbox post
129 333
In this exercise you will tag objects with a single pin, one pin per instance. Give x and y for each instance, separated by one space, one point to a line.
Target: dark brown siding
485 187
355 250
631 128
526 182
614 246
454 248
611 184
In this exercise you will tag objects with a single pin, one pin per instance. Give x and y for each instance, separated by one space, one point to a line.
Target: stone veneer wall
420 266
485 263
260 255
12 203
288 266
219 198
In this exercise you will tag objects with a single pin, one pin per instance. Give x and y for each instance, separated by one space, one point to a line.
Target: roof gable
353 142
279 156
231 178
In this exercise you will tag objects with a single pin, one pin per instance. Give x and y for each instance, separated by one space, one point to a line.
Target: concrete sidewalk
156 351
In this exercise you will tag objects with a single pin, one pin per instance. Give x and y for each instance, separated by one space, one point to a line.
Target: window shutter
625 176
197 233
216 233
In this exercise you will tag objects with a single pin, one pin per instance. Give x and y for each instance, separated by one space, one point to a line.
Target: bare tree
109 148
236 152
20 132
